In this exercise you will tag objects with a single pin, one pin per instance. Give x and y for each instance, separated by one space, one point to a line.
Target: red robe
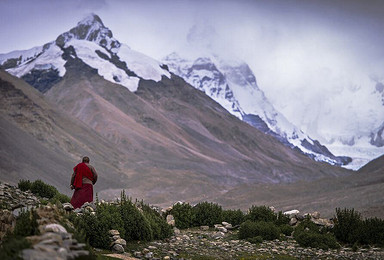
83 192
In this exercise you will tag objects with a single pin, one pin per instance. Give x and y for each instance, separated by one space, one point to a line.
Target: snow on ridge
50 58
24 55
86 51
144 66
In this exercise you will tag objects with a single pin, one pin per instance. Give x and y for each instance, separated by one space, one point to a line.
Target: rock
204 228
176 231
224 223
114 232
292 213
315 215
218 235
149 255
222 229
292 221
152 248
115 237
118 248
166 258
56 228
68 206
323 222
229 226
171 220
120 241
137 254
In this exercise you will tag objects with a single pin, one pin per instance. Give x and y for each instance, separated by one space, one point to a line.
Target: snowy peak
91 43
91 28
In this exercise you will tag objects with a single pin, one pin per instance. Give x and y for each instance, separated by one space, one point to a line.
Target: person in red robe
83 178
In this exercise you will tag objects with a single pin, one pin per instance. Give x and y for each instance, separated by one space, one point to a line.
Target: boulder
315 215
117 248
293 221
56 228
114 232
171 220
292 213
222 229
68 206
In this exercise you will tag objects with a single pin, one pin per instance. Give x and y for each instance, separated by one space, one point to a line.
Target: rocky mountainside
232 84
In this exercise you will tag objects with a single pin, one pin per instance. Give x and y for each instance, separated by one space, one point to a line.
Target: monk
83 178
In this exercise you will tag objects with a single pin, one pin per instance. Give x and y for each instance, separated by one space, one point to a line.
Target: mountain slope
40 141
232 84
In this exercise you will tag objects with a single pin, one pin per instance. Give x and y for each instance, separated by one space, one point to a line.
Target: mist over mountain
317 121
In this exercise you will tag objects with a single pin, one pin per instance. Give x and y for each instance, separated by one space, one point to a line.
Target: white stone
292 213
56 228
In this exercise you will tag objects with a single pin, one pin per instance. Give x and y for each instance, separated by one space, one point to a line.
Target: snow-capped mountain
95 45
232 84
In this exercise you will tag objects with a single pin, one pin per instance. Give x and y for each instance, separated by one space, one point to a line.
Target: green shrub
267 230
207 214
183 214
316 240
96 231
234 217
159 225
286 229
308 234
281 219
261 213
110 217
42 189
11 247
62 198
136 226
24 185
372 232
26 224
348 225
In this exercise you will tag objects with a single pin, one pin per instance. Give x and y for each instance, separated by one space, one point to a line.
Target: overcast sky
298 49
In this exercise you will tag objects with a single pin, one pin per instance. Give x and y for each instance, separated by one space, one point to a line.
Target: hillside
38 141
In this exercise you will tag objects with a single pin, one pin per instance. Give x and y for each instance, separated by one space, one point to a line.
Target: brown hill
38 141
178 142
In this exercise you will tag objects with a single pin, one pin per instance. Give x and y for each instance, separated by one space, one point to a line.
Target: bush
261 213
160 228
60 197
96 232
136 226
26 224
348 225
308 234
207 214
109 216
282 219
11 247
286 229
234 217
42 189
24 185
316 240
183 214
372 232
267 230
